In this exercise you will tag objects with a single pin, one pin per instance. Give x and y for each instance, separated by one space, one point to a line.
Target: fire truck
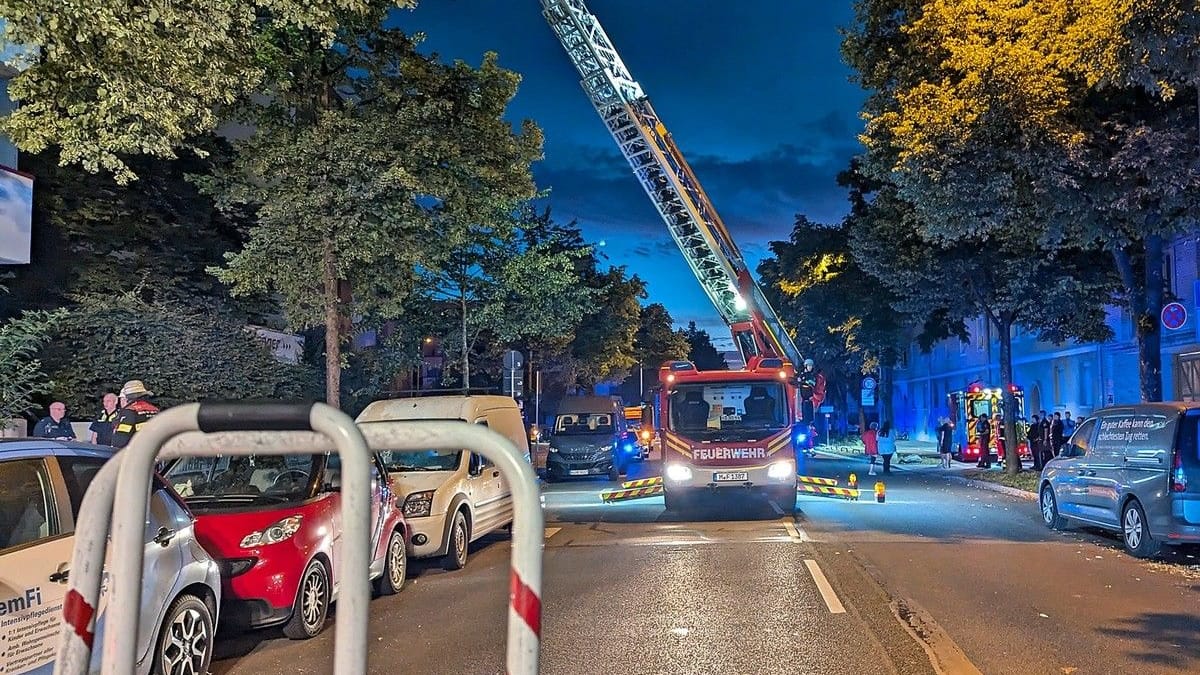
976 400
725 431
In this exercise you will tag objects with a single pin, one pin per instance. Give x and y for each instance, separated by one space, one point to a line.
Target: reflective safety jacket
130 420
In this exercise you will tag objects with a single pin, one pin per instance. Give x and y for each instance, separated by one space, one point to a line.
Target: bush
182 355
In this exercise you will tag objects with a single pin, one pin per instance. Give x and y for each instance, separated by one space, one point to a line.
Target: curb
995 487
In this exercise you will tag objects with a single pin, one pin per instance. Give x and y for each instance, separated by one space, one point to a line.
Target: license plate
578 472
729 475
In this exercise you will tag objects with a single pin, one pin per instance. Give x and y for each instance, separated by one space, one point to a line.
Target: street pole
537 398
641 386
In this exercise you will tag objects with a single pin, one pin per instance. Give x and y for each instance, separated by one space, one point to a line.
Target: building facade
1075 377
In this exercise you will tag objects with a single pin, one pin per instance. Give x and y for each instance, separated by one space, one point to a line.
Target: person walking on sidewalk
887 446
945 433
870 439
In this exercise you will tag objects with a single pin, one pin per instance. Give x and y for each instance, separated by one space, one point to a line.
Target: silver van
1131 469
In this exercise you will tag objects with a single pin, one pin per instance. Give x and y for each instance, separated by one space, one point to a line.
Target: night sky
754 92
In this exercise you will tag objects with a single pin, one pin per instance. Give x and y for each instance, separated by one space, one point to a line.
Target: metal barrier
120 492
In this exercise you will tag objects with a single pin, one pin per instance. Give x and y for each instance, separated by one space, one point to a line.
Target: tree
656 340
108 79
181 354
701 350
22 378
369 151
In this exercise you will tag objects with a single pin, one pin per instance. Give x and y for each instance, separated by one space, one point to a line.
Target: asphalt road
941 577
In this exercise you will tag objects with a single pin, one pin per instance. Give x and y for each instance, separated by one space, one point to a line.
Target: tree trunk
1149 327
885 394
1012 457
333 327
466 347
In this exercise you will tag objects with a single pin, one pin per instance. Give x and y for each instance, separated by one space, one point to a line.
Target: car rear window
1189 439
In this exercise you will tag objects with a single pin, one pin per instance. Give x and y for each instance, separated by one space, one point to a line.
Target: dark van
1131 469
590 437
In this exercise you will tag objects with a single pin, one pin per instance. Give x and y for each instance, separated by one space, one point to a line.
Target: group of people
879 441
1046 434
121 416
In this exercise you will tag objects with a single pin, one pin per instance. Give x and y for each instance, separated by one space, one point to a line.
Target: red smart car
273 522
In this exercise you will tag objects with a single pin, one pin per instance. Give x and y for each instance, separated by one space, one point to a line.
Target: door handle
60 576
164 536
495 474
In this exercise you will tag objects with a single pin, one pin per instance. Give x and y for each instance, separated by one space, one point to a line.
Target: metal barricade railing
120 493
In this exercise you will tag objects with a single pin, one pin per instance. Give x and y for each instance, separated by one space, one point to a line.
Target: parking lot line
795 531
827 592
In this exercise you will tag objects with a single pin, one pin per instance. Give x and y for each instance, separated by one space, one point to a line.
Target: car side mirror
476 466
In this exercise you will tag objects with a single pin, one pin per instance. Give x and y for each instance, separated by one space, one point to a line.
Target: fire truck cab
728 432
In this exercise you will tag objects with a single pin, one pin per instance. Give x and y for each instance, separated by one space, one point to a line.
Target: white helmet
808 363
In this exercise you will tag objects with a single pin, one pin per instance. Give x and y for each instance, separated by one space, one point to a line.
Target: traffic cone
853 485
880 494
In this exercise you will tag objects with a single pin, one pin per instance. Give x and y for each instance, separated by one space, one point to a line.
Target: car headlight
678 473
782 469
418 504
281 530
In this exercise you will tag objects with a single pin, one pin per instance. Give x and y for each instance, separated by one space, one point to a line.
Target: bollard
853 485
880 494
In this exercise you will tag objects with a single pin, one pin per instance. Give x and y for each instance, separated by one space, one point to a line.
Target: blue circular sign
1174 315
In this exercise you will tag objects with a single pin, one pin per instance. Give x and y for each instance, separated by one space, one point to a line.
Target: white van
450 497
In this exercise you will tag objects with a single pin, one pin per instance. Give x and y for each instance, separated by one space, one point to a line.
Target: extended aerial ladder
670 184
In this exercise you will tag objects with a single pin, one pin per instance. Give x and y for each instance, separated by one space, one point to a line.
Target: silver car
42 483
1131 469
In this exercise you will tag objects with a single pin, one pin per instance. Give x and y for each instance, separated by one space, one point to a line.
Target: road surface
940 578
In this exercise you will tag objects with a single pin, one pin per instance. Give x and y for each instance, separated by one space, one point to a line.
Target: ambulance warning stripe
632 493
817 481
78 615
525 602
642 482
825 490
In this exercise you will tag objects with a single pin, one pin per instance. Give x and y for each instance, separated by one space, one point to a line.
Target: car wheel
311 605
185 641
1049 506
395 566
460 540
1135 532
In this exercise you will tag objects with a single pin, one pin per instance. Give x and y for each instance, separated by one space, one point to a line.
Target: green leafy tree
108 79
369 151
22 377
657 341
181 354
701 350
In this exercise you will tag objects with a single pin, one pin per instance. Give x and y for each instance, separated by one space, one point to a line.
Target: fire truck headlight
785 468
678 473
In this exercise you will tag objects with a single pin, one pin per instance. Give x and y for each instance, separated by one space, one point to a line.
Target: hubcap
1133 528
1047 506
460 540
313 603
397 563
187 644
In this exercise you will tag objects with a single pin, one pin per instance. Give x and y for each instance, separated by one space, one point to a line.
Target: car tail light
1178 477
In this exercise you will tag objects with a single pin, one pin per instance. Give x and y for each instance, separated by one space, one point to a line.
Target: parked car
1131 469
42 483
590 438
274 523
450 497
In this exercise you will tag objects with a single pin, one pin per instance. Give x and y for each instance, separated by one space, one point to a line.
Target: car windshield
267 479
728 411
421 460
579 424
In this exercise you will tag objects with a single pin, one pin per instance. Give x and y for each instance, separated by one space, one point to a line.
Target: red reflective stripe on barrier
78 614
525 602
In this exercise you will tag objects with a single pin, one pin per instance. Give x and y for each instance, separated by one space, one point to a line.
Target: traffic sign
825 409
1174 315
868 382
513 360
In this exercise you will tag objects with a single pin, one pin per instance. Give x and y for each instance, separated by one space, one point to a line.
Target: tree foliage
701 350
182 355
22 377
656 340
108 79
370 152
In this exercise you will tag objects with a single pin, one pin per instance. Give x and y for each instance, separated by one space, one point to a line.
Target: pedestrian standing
1044 436
56 425
1035 442
102 428
945 433
870 440
998 432
136 410
983 433
1068 425
1056 434
887 446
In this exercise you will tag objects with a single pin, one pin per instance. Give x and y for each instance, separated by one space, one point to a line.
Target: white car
42 483
450 498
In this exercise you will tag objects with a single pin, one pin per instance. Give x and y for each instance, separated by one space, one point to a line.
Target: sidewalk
960 472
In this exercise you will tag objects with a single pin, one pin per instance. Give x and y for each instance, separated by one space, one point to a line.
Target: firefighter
136 410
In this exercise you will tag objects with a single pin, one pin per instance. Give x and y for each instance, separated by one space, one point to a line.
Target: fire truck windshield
736 411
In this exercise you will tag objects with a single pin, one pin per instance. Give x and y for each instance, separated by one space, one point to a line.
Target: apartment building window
1086 386
1058 389
1169 272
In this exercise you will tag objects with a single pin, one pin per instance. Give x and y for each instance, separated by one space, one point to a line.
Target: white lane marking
551 531
797 534
827 593
778 510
